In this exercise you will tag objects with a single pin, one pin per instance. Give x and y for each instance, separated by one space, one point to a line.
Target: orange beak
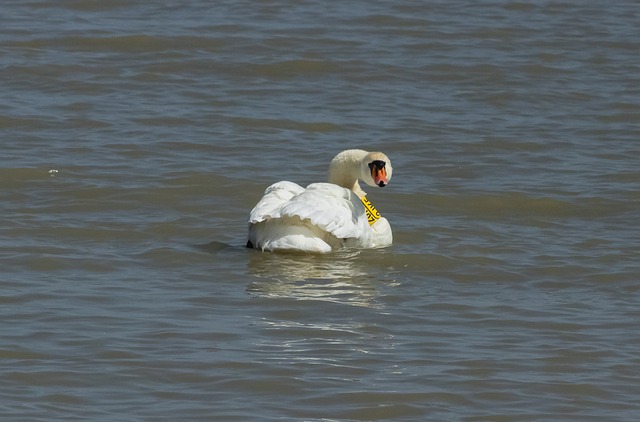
379 176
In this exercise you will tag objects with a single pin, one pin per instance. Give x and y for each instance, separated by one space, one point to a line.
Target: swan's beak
379 173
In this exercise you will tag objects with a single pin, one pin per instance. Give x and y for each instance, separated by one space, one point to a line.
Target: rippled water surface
136 137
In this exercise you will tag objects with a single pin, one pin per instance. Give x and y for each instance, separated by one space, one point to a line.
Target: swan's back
319 218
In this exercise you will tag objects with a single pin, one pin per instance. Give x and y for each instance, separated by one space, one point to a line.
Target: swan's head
376 169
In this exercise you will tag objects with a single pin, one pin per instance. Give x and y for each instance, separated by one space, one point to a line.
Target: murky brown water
136 137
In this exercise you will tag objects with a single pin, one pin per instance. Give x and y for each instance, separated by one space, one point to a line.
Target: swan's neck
346 169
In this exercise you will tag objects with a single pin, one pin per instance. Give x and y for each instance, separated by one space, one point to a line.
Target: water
137 136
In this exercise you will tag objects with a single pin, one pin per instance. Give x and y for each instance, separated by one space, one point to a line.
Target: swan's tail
277 234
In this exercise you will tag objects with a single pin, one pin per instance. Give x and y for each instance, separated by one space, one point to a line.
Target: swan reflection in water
336 277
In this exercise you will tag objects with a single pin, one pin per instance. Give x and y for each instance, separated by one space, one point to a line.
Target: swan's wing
275 196
331 208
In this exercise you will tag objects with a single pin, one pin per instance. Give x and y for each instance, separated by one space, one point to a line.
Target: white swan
324 216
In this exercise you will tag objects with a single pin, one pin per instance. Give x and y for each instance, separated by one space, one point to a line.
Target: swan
324 216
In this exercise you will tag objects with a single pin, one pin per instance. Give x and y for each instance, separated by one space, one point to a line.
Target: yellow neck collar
372 214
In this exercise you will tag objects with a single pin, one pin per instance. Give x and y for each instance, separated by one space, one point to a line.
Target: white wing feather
275 196
328 207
